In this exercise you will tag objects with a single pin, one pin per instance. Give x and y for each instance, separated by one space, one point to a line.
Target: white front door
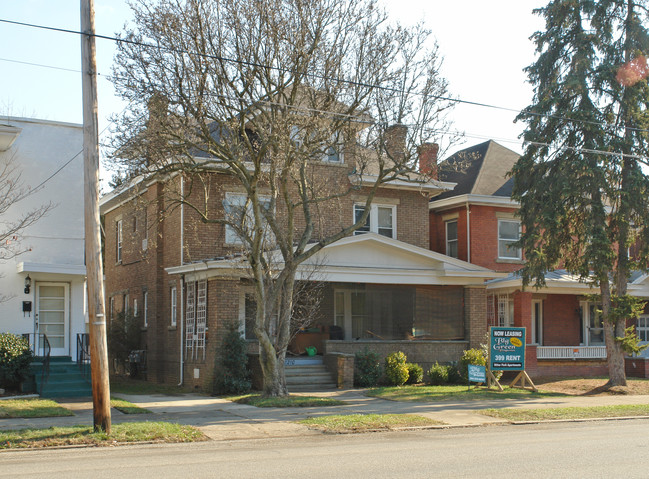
53 316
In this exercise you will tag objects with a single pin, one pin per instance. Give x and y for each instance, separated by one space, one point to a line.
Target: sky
485 45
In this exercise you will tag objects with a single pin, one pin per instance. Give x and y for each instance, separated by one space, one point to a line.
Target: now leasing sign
507 349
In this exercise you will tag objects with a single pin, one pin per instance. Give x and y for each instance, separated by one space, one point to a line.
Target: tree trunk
272 366
616 372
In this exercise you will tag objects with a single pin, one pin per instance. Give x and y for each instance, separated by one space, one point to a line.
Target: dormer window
332 151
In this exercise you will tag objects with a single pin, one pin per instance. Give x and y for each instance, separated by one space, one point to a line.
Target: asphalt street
594 449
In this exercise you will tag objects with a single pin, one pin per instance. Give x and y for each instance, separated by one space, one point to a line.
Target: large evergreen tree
581 184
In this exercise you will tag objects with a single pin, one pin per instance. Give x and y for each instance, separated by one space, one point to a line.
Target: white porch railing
571 352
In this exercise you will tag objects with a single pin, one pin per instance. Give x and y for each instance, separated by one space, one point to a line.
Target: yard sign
507 349
507 353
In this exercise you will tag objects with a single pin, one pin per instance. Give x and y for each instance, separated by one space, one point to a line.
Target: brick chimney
395 141
428 159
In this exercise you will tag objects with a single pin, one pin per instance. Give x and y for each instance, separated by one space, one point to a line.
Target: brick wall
561 320
483 235
578 368
475 300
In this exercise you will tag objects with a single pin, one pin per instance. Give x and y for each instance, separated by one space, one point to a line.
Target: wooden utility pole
94 271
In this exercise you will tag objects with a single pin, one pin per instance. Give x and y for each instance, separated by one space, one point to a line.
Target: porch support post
523 312
523 318
475 315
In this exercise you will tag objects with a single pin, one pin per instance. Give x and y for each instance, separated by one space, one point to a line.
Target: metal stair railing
83 355
41 347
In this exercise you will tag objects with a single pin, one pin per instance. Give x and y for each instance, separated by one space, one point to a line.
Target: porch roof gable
368 258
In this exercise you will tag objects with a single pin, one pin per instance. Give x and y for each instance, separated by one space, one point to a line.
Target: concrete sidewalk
223 420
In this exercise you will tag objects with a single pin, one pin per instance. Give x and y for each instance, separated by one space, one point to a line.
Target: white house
43 287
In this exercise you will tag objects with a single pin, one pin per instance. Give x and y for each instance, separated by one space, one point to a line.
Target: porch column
523 312
475 315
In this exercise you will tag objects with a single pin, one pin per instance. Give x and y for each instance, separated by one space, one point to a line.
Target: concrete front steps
64 379
305 374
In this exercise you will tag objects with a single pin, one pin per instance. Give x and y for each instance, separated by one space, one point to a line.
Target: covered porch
565 333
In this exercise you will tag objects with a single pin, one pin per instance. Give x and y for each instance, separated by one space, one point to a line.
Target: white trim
519 253
8 135
70 269
412 185
38 317
571 352
435 268
585 308
483 200
373 218
21 119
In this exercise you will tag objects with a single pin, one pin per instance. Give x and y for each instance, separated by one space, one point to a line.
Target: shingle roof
479 170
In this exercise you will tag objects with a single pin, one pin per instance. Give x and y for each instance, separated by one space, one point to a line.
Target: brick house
383 287
476 222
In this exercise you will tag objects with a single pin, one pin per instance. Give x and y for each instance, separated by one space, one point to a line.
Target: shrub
15 358
453 374
438 374
415 373
471 356
367 368
477 357
396 370
233 376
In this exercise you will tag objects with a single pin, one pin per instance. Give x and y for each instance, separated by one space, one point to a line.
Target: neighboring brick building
476 222
383 287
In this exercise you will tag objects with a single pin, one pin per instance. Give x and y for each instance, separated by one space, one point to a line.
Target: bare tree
270 94
14 220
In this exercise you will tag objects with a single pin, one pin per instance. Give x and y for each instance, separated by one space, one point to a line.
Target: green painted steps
64 379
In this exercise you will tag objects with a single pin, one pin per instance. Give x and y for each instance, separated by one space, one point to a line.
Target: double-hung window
451 238
642 328
382 220
145 300
174 303
509 231
238 212
118 241
333 151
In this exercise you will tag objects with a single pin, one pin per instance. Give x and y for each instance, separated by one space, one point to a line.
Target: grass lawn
441 393
83 435
123 385
127 407
13 408
568 412
367 422
288 401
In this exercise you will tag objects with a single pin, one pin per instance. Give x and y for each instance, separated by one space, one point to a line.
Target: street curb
541 421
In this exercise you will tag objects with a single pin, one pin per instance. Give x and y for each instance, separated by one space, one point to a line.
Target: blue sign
477 374
507 349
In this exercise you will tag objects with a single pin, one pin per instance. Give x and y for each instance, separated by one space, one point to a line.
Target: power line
284 70
351 82
52 67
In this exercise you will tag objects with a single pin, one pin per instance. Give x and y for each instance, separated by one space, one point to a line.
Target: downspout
182 282
468 233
